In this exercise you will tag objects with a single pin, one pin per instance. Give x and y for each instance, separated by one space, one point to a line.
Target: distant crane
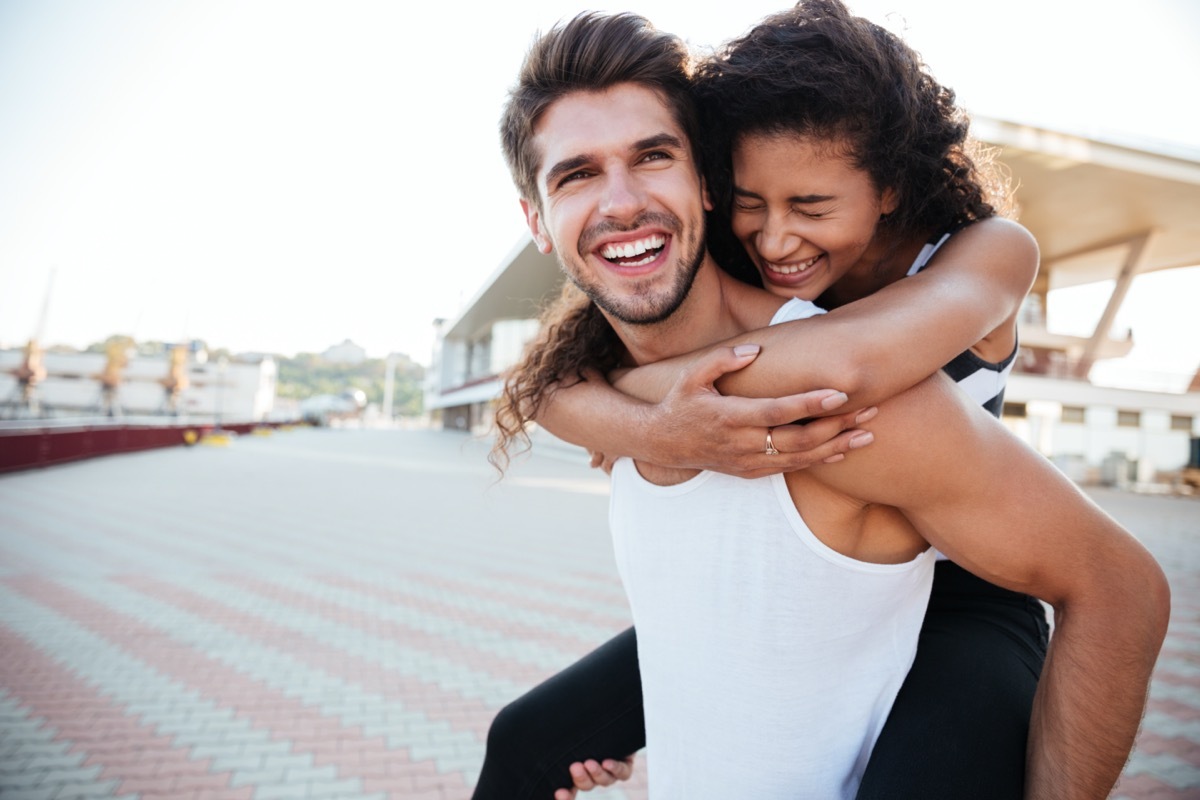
176 380
23 401
116 359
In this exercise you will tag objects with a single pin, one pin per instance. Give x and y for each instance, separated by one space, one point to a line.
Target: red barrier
31 447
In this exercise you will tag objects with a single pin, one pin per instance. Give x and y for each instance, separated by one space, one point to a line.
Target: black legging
957 729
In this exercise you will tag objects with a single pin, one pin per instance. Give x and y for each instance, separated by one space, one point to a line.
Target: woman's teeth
792 269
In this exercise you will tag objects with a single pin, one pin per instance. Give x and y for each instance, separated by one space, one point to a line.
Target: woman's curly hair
816 70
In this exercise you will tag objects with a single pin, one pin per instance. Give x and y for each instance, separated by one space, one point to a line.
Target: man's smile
635 253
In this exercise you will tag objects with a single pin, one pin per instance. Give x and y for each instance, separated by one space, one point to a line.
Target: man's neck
717 308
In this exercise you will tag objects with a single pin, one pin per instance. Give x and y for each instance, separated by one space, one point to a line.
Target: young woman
921 273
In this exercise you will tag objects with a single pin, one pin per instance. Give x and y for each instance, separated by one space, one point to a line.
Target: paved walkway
338 614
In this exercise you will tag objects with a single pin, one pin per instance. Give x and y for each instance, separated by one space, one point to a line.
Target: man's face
622 201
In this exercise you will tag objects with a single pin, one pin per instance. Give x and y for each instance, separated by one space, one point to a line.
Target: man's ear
704 195
533 220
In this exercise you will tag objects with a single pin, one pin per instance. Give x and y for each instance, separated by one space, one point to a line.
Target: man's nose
624 196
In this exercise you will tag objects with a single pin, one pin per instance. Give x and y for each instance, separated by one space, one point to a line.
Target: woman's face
805 214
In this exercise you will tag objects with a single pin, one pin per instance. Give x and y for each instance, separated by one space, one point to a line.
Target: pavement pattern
340 613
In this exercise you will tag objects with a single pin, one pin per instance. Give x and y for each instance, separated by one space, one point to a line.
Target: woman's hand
589 774
696 427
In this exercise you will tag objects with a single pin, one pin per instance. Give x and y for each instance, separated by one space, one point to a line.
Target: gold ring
770 448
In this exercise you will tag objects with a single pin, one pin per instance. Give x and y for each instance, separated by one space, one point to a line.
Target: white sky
280 176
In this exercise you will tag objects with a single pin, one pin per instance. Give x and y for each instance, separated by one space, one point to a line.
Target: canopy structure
516 290
1100 211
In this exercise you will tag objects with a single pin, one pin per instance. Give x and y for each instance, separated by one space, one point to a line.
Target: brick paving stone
91 790
26 793
81 775
1186 750
1149 787
26 780
1166 767
282 791
333 788
259 777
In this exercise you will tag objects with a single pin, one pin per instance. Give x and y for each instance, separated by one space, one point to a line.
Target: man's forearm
1092 694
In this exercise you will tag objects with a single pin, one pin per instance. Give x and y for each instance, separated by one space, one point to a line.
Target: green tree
308 375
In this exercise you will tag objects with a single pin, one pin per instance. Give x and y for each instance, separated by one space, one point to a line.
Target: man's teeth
636 248
792 269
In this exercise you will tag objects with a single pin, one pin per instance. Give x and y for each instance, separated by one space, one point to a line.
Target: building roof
1086 200
514 291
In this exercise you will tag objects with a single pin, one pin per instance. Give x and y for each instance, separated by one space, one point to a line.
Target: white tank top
769 662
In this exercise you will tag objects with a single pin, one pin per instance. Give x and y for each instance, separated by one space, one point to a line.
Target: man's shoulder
758 308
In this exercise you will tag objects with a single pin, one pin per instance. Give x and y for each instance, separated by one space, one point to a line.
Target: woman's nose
776 241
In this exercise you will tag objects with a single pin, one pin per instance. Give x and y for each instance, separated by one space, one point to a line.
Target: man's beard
650 310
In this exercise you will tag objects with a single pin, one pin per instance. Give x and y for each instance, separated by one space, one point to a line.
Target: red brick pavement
339 615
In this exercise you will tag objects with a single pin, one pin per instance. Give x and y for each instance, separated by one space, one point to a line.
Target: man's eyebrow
800 199
658 140
566 166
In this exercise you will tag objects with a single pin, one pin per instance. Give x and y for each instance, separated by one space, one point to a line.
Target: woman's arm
670 413
877 347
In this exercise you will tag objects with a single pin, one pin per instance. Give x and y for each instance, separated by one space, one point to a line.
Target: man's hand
696 427
591 773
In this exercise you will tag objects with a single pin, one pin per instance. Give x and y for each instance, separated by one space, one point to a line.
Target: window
1181 422
1073 414
1015 410
1129 419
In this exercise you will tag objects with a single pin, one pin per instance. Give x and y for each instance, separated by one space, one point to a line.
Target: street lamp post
222 365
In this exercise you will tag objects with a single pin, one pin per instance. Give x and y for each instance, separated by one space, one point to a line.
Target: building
1100 210
345 353
471 351
122 384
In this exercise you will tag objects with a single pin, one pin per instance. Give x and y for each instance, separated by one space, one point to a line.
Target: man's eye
656 155
574 176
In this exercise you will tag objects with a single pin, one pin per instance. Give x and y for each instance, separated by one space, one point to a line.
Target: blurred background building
180 381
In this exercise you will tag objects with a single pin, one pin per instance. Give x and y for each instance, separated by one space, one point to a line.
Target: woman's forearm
850 348
880 345
597 417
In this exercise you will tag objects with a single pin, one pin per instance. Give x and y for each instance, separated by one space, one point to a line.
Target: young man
772 642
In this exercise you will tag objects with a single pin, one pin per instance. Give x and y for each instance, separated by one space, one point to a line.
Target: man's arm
870 350
1004 512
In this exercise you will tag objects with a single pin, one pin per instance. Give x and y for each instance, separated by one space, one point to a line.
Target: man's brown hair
590 53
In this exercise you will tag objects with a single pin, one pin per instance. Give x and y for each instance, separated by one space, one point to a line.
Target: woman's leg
961 720
592 709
